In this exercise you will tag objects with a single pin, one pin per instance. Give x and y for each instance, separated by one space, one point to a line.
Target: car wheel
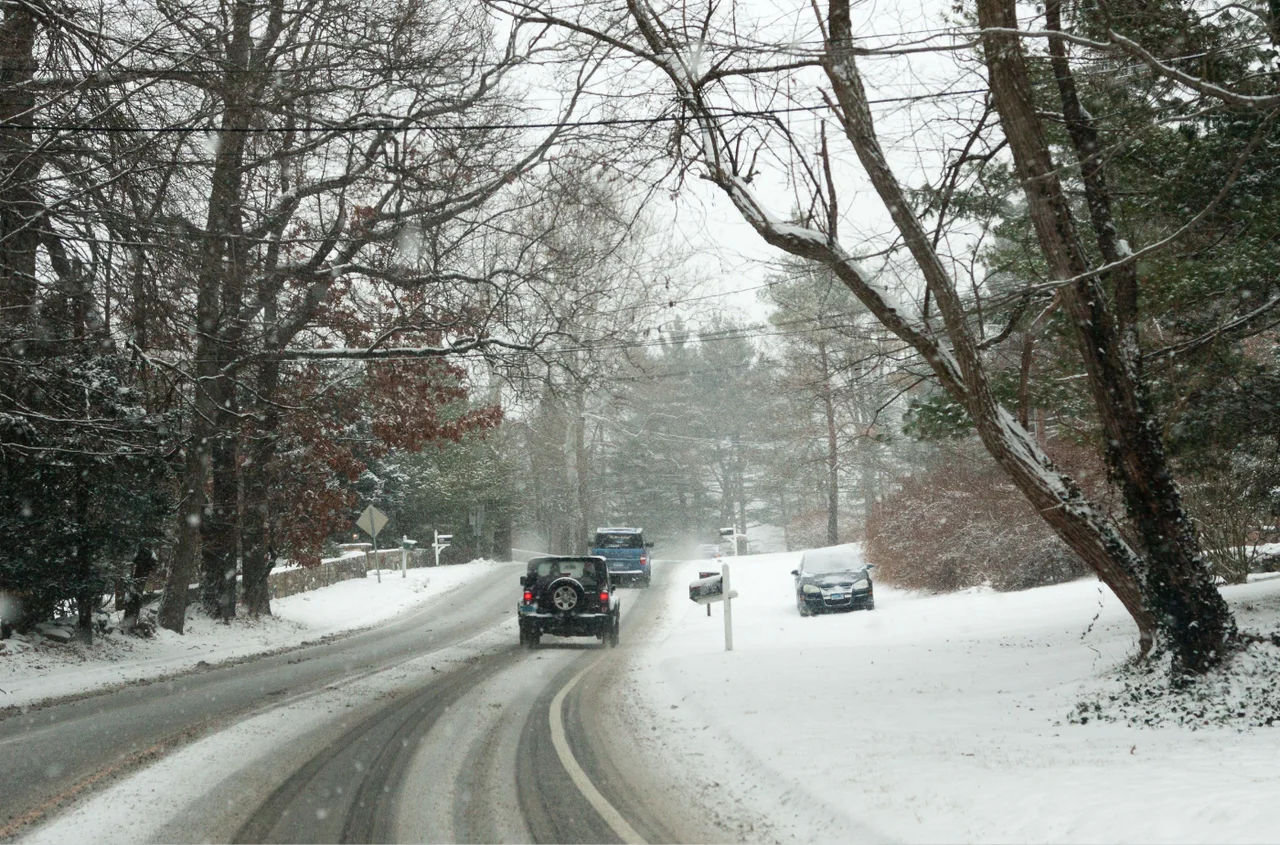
803 608
532 639
644 582
614 631
564 595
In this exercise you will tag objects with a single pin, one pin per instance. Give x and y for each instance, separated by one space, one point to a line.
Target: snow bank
941 719
32 669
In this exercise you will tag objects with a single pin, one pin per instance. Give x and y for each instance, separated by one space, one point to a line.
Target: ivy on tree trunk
1175 581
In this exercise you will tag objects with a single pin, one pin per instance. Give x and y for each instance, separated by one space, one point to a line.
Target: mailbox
443 539
712 587
707 589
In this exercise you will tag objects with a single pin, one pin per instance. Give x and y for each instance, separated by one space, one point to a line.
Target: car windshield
830 565
618 541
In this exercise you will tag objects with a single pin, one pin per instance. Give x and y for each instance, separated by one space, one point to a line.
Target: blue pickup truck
626 552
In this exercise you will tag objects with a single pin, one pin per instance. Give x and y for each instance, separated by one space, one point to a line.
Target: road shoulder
37 673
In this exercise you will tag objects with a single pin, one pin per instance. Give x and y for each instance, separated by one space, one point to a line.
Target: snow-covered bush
963 524
83 480
1229 516
808 529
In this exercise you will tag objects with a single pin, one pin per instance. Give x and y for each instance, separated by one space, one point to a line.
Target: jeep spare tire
564 595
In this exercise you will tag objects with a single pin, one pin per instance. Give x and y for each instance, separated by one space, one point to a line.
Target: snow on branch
811 244
1245 325
1116 41
458 347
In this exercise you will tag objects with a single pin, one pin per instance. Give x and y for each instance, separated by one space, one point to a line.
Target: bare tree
594 272
333 155
69 390
837 371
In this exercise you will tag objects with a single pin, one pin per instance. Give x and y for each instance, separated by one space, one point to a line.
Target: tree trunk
172 613
135 586
20 165
870 486
258 557
1084 140
221 527
1054 494
582 543
86 595
1175 579
258 537
833 455
222 222
220 546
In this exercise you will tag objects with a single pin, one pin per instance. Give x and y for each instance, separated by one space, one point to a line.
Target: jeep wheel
565 595
613 632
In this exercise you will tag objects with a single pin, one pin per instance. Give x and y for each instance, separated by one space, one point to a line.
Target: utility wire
461 127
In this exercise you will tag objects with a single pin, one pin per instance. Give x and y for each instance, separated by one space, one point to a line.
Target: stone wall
290 581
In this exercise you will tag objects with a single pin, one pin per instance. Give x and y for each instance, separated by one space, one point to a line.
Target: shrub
1227 518
963 524
808 530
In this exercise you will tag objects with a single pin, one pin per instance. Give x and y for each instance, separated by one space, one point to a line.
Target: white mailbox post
441 543
406 545
733 535
713 588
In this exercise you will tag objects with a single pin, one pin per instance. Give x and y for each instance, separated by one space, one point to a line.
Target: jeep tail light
604 597
528 596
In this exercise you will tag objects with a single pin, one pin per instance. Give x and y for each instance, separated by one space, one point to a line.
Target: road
437 727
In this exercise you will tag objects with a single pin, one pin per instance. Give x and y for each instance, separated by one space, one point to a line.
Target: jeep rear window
619 541
585 571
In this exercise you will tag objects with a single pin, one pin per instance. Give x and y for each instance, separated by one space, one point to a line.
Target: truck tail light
604 597
528 596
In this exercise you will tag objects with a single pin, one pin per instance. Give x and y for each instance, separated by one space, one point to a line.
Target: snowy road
473 757
436 727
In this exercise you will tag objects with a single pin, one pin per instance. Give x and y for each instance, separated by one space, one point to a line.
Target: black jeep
568 597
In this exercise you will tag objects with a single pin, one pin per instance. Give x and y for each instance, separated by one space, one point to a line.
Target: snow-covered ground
32 669
941 719
930 719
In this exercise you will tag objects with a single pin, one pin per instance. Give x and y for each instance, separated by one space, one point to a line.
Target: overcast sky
915 133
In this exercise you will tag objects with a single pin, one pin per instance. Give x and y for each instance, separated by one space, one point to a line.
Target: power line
748 332
460 127
599 122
